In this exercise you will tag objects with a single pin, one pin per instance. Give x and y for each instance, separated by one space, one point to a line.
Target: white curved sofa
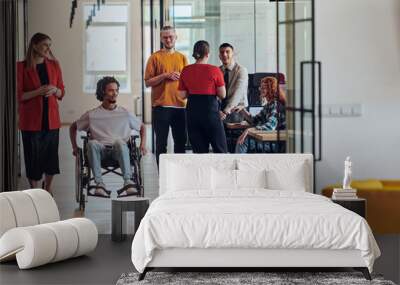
31 230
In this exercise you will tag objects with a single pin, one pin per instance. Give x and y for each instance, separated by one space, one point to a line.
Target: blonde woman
39 87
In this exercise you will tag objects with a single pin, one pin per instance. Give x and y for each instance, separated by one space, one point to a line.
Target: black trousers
204 124
163 119
41 153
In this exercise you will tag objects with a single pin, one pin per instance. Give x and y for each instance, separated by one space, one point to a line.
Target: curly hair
102 84
269 86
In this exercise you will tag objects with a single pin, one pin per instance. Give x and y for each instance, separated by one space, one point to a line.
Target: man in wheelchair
109 128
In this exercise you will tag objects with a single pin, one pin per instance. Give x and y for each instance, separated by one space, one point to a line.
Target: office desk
268 141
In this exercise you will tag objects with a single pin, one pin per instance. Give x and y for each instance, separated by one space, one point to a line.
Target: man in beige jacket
236 81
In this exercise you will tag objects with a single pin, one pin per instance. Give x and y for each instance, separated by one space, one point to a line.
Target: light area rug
244 278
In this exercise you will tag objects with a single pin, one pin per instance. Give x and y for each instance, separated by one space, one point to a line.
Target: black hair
200 49
102 84
226 45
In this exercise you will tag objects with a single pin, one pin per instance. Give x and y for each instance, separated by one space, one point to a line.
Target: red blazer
30 111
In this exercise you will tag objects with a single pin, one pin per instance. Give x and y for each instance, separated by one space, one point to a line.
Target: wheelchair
83 172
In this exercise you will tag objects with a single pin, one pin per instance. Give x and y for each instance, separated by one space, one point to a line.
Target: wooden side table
357 206
139 205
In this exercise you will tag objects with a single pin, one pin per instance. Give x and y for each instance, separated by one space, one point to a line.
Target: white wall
21 32
358 42
52 17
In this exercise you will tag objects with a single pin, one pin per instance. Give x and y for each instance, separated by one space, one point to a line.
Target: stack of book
344 194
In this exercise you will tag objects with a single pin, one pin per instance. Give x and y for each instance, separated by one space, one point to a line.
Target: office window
249 25
183 14
106 46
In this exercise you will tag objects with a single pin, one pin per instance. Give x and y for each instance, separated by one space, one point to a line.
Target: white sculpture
347 173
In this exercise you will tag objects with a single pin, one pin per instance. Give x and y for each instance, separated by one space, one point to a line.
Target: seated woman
270 118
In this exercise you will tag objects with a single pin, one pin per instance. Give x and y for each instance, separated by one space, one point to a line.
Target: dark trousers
41 153
204 124
163 119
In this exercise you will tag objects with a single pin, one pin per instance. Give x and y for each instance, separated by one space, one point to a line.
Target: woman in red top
39 87
202 83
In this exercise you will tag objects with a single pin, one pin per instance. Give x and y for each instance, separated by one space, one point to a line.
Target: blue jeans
244 147
119 151
250 145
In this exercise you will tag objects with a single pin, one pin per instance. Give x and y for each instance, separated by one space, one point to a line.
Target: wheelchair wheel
82 203
137 178
85 178
82 176
78 175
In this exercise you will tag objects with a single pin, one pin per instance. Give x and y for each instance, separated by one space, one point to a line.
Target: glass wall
151 21
195 20
250 26
268 37
296 25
